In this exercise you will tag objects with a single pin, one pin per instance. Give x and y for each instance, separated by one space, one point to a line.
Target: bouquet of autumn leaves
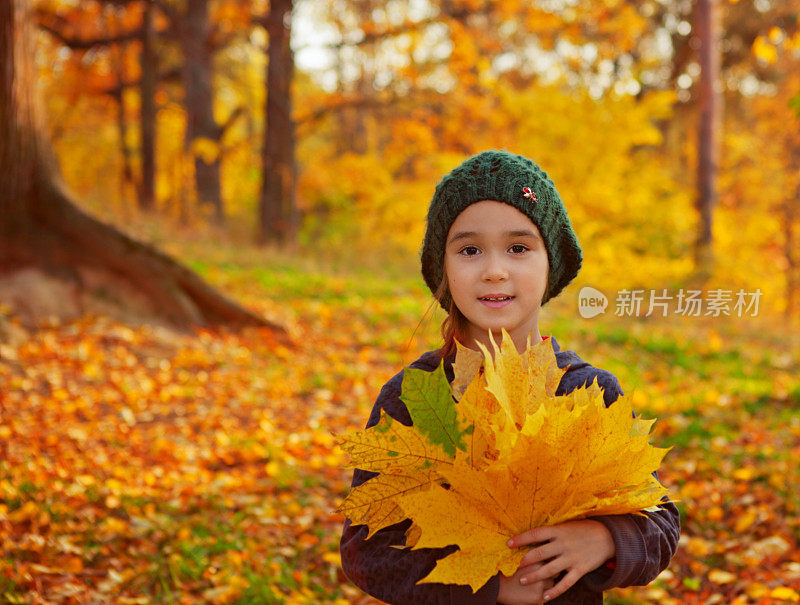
495 454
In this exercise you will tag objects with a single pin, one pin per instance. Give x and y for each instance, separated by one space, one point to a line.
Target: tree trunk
710 104
41 229
342 121
278 212
359 134
127 181
147 196
200 123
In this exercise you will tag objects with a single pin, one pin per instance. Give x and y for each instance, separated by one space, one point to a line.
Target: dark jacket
644 544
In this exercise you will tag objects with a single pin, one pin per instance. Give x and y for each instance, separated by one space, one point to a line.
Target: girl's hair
454 326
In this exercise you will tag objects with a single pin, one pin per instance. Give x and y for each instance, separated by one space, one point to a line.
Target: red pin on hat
526 192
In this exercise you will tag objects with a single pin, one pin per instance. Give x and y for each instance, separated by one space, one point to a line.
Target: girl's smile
496 266
496 301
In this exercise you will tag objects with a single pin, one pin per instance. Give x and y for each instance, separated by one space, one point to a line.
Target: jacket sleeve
644 546
389 573
644 543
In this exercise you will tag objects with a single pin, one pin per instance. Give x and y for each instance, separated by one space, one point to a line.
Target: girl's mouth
496 302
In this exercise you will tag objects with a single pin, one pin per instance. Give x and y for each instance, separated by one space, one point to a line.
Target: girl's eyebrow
519 233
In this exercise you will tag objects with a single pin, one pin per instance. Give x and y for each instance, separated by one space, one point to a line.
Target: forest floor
142 466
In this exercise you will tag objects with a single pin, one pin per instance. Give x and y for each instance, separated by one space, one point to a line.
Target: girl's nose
495 268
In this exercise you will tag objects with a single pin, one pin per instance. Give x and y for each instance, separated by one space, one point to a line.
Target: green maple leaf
429 399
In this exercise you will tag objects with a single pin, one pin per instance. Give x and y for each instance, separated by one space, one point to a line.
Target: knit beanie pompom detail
514 180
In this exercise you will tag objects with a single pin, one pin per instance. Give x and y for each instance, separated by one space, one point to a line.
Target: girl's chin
482 333
497 332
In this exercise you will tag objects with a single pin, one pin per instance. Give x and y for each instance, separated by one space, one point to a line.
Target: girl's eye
518 248
468 251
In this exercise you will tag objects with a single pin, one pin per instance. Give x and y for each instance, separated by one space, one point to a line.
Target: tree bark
128 180
148 61
41 227
710 105
197 59
278 215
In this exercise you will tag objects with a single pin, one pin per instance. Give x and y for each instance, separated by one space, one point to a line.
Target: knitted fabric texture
501 176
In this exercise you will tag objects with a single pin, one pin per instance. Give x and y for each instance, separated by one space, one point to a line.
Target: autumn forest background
210 217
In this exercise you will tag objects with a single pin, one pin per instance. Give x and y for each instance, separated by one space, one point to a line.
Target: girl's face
494 251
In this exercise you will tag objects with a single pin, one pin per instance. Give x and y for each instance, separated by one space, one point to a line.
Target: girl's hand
576 547
514 593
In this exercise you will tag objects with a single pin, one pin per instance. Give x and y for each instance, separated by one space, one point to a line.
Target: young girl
498 246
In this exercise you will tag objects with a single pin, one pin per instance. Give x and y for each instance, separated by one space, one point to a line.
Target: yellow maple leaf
506 378
465 367
375 502
406 461
492 430
391 446
524 459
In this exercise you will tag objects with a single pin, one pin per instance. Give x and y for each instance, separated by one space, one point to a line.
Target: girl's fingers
532 536
545 551
544 572
527 568
565 584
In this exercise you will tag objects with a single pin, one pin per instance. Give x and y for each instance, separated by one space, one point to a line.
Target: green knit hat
514 180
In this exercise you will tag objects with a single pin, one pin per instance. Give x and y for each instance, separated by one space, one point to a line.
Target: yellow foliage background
366 171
